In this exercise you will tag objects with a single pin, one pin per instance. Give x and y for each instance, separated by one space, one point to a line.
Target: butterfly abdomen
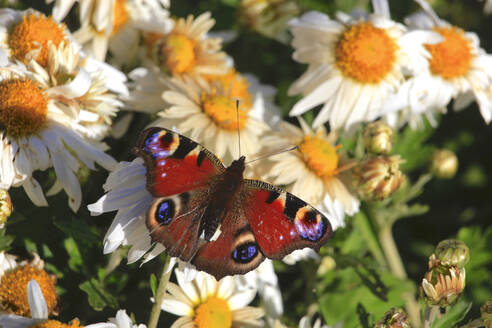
223 197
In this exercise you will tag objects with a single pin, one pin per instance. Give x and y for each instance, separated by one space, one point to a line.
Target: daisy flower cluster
338 117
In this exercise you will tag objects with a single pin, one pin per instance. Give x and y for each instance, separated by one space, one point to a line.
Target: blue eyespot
165 212
310 228
245 253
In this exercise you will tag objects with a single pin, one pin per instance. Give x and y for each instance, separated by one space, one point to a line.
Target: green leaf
153 284
411 145
454 315
75 261
79 230
97 295
359 295
30 246
5 240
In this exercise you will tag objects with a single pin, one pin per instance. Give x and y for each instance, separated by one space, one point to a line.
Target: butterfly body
209 215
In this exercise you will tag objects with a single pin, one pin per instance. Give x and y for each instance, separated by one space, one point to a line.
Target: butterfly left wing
234 252
282 222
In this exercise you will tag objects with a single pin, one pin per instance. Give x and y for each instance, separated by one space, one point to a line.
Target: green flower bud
444 164
378 138
378 177
486 311
394 318
452 252
5 207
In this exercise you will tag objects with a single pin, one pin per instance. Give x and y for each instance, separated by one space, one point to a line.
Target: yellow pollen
33 32
13 289
365 53
451 57
236 87
57 324
214 313
319 155
178 53
23 108
222 110
120 16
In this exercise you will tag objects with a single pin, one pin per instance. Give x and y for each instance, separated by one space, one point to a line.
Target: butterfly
211 216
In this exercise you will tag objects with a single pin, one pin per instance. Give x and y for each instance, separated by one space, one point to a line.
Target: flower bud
444 164
268 17
443 284
5 206
378 138
452 252
486 311
378 177
394 318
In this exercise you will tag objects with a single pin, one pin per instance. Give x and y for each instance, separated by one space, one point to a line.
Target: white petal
37 303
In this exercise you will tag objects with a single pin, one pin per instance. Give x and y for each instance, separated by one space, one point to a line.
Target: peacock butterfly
196 198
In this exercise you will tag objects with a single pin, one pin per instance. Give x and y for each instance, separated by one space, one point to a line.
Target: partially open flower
378 177
486 311
443 284
379 138
269 17
394 318
444 164
452 252
5 207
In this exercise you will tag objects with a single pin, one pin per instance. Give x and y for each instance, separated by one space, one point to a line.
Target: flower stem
396 266
159 295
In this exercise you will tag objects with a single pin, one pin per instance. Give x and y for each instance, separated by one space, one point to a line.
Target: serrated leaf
153 284
75 261
411 145
47 253
97 295
30 246
5 240
454 315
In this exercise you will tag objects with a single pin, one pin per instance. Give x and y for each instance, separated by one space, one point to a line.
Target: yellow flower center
57 324
23 107
451 57
214 313
365 53
13 289
32 33
222 110
178 53
235 85
120 16
319 155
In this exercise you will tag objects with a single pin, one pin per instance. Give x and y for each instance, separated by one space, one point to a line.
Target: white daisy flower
80 92
306 323
121 320
36 135
265 281
15 278
354 64
25 35
37 308
457 69
127 194
207 112
204 302
115 24
312 171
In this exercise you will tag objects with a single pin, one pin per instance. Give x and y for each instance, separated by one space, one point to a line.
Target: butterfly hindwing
282 222
234 252
175 163
174 221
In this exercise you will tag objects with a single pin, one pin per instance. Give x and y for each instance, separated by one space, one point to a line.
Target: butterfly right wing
179 174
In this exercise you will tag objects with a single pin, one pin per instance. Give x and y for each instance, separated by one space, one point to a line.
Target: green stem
430 315
159 295
369 236
396 266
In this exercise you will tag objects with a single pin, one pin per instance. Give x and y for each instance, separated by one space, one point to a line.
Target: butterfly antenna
238 134
273 154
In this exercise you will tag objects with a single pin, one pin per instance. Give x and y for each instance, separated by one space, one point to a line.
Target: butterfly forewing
282 222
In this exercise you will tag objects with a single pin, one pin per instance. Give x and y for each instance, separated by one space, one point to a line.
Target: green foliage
452 317
97 294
